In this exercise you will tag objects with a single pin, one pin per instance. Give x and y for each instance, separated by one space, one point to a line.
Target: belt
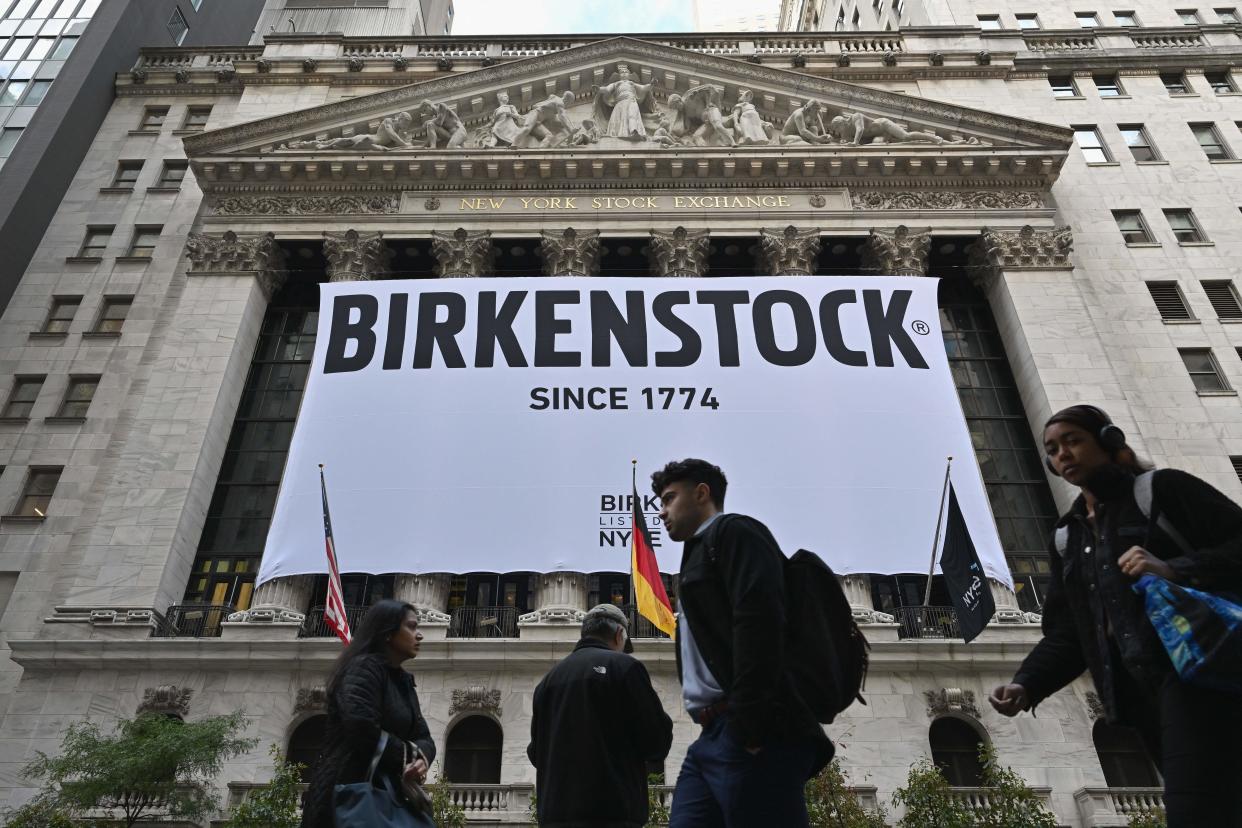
706 715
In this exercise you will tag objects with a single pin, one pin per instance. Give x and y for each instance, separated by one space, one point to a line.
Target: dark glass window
1184 226
1108 86
126 173
22 397
955 750
112 315
1139 142
40 486
1211 142
1133 228
96 241
1204 371
144 241
173 174
1062 86
306 743
196 117
61 314
472 752
153 117
1174 83
78 397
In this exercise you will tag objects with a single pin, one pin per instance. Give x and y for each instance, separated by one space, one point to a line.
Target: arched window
306 742
1123 757
472 755
955 750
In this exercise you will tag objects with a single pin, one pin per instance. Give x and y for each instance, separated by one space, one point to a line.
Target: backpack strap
711 538
1144 496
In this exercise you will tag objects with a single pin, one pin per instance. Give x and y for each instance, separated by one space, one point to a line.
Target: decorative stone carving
463 253
181 76
332 205
394 132
263 65
138 76
620 104
805 125
858 129
843 59
506 121
355 64
311 700
310 65
354 256
753 58
936 58
230 253
278 601
984 58
570 252
748 124
432 204
949 700
476 698
798 61
897 253
561 599
817 200
680 252
1027 249
487 61
444 65
696 118
545 125
441 125
400 64
946 199
167 700
889 58
790 252
226 75
1095 707
428 592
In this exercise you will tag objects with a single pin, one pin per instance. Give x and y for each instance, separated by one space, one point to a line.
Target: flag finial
321 465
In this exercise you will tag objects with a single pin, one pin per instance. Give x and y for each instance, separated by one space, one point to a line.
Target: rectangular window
37 494
1136 138
78 397
173 174
1133 228
96 241
1169 301
36 92
1174 83
64 47
1229 16
8 140
1028 21
177 27
145 239
1221 82
12 93
112 314
1087 20
126 174
153 117
22 397
1125 19
1224 298
1210 141
196 117
1092 146
1108 86
1189 17
61 314
1203 369
1063 86
989 21
1185 228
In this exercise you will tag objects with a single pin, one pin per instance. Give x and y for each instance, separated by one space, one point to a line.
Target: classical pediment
622 104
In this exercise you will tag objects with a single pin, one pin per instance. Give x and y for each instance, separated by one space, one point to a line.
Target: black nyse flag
963 575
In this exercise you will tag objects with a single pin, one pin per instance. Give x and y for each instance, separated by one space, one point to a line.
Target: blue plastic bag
1201 632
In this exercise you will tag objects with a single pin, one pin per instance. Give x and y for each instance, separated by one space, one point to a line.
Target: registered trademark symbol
920 327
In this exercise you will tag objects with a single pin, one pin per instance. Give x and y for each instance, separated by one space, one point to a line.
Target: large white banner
489 424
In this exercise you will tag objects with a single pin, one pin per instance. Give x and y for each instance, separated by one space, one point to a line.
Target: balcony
640 627
1115 807
934 623
316 627
483 622
193 621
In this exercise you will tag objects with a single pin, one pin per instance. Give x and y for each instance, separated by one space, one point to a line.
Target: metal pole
633 529
931 569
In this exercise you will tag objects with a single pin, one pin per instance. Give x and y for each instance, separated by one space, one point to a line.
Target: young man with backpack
760 740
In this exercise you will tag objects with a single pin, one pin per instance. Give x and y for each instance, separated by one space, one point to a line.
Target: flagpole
633 529
931 569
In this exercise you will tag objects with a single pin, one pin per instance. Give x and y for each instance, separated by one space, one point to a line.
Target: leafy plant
40 812
151 765
444 811
657 811
831 804
1148 819
1011 803
276 805
930 801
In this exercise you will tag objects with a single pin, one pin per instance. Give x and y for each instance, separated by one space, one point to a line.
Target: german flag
649 594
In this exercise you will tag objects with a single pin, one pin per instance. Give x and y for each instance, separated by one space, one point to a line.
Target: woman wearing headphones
1180 529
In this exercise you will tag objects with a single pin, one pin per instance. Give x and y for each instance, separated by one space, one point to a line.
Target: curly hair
696 471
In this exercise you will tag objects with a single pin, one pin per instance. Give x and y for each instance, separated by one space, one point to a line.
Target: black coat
735 606
596 723
371 696
1093 620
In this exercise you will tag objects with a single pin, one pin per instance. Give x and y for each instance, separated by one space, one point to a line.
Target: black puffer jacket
1093 620
371 696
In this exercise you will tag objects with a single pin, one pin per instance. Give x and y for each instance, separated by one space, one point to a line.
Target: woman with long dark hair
370 693
1127 523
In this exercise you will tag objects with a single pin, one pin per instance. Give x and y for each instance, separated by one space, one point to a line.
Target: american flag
334 605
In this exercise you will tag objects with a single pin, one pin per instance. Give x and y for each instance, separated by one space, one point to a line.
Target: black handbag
363 805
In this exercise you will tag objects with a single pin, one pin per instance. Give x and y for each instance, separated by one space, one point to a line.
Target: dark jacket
596 723
735 606
1093 620
371 696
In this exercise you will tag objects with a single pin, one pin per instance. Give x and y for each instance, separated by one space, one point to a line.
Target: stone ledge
101 334
56 335
83 259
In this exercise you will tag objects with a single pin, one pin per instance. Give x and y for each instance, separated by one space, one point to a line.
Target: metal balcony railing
483 622
316 627
640 627
927 622
193 621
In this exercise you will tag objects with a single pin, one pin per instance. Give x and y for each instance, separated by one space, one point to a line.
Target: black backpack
826 652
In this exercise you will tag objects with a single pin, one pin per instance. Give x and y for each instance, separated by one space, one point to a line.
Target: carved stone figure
790 252
463 253
746 121
393 133
857 129
679 253
899 253
949 700
476 698
354 256
620 105
545 125
805 125
311 700
586 134
441 124
570 253
506 122
167 700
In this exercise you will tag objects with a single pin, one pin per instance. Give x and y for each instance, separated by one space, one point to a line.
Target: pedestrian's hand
416 771
1009 699
1138 562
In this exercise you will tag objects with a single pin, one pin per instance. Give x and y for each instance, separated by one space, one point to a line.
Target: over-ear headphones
1110 436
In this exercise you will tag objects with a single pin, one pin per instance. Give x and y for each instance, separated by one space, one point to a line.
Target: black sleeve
754 576
1058 658
651 727
361 701
531 752
1210 522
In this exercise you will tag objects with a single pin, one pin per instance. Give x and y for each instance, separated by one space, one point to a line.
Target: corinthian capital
899 252
463 253
231 253
570 253
354 256
679 252
1026 249
790 252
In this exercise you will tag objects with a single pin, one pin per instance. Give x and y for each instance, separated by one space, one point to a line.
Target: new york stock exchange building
1074 190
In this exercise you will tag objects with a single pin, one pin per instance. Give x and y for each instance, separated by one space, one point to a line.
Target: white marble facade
119 540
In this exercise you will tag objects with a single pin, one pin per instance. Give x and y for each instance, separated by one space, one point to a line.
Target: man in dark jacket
597 722
760 742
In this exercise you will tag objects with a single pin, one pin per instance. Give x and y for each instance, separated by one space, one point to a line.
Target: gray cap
613 613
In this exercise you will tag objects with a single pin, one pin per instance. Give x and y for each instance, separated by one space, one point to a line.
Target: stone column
679 252
356 257
279 600
858 592
429 593
570 252
790 252
899 252
1006 600
463 253
232 255
560 599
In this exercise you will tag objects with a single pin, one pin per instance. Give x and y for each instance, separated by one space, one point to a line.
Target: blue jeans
722 785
